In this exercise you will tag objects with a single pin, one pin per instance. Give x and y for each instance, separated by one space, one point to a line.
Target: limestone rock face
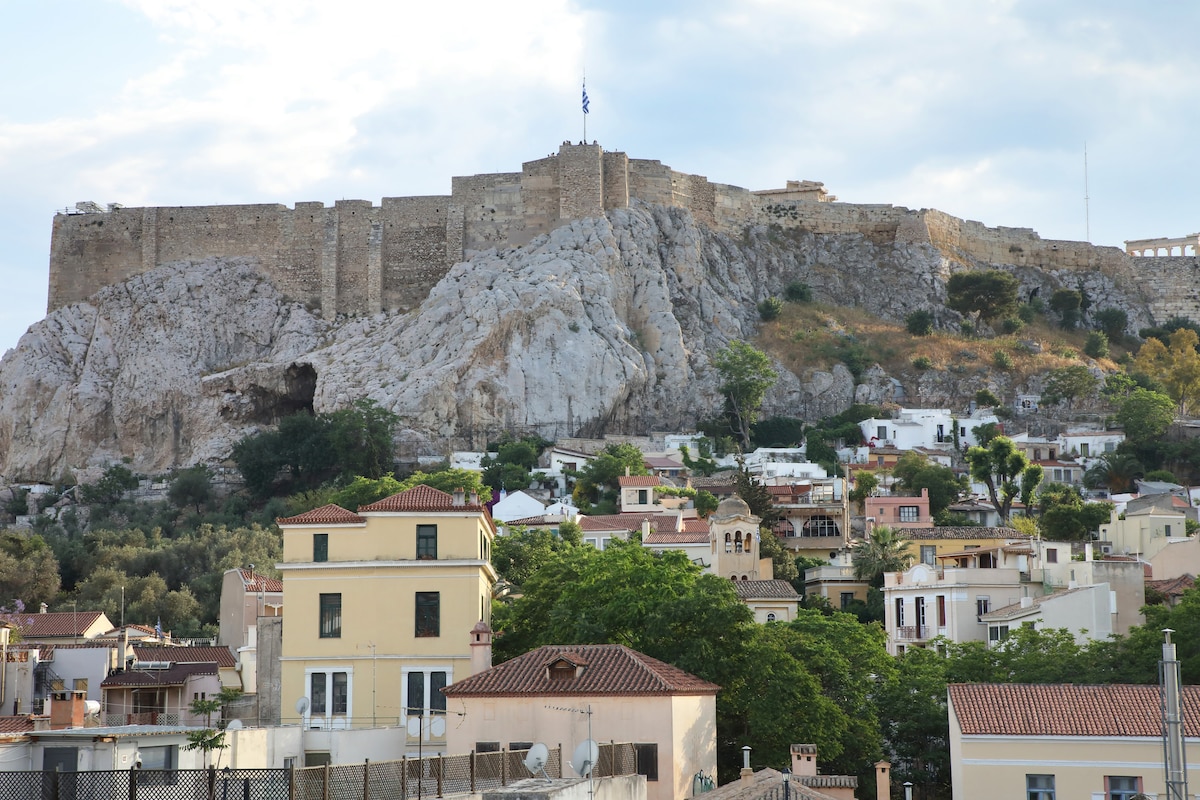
603 325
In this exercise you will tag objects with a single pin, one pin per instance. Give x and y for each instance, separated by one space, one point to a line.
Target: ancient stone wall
357 258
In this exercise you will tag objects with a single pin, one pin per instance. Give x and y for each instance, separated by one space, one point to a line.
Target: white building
926 427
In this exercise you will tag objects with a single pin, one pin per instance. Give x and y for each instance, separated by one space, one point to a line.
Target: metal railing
912 632
433 777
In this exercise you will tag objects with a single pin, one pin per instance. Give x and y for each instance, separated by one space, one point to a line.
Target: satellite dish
234 725
585 757
302 706
535 761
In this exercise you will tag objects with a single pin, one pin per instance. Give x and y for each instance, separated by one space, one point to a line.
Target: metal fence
433 777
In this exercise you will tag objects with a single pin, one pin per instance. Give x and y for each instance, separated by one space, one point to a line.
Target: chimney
883 780
1088 553
645 528
481 647
474 498
67 710
42 608
460 496
804 759
747 774
1026 602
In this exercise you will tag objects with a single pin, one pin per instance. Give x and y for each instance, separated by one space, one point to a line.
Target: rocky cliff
604 325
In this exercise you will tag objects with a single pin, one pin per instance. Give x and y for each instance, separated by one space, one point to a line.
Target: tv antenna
535 760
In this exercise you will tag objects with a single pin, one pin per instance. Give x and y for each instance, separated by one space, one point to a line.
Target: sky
982 109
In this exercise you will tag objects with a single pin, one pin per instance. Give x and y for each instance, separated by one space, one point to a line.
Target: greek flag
158 628
585 99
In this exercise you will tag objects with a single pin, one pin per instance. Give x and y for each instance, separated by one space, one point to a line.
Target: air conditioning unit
1106 549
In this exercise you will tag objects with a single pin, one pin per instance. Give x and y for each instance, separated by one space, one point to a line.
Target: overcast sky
979 108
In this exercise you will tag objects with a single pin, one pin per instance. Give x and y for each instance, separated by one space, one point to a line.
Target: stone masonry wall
356 258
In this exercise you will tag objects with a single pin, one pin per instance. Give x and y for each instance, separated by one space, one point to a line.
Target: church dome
732 506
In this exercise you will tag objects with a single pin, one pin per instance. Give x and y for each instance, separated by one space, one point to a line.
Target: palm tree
884 551
1116 471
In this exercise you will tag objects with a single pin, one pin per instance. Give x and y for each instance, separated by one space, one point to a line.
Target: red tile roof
632 521
762 590
607 669
1173 587
676 537
325 515
661 462
221 656
175 675
1066 710
632 481
56 623
964 532
695 525
253 582
18 724
421 498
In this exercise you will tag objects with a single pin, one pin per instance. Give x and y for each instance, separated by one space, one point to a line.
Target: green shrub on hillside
919 323
1002 360
798 292
770 309
1096 345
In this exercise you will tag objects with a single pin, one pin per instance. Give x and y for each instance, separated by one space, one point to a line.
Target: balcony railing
913 633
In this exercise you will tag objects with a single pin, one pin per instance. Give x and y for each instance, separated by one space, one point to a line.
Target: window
429 614
910 514
847 599
1166 530
1037 454
929 554
1085 449
941 433
881 432
487 747
320 547
423 692
1121 787
316 693
921 612
79 684
983 604
997 633
821 525
770 616
1109 447
647 760
643 497
899 612
426 542
941 610
1039 787
1051 555
331 616
325 685
341 693
158 764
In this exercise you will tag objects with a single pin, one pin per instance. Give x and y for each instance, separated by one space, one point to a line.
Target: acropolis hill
358 258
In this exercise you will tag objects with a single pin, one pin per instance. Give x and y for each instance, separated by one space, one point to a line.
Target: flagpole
585 108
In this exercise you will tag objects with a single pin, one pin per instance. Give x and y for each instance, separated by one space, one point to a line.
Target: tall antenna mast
1174 757
1087 214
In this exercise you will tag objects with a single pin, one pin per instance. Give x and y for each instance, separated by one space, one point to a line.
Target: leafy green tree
1096 345
770 309
1069 383
449 481
797 292
991 294
885 551
1005 471
987 398
1112 322
915 472
191 487
1064 516
919 323
703 463
596 483
1146 415
521 552
111 487
1066 303
570 532
915 722
777 432
865 484
1176 366
361 438
359 492
783 563
756 495
746 375
28 569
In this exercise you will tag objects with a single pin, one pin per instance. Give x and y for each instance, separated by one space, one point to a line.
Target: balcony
914 633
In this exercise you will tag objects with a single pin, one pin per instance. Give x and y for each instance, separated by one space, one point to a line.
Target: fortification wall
355 257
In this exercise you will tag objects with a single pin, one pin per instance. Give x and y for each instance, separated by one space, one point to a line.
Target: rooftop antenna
1174 757
1087 214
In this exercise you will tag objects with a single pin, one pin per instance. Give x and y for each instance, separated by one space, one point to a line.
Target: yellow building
381 607
1056 741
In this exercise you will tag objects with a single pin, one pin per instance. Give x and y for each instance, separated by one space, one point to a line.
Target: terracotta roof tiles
964 532
221 656
253 582
175 675
325 515
421 498
761 590
676 537
57 623
633 481
607 669
1066 710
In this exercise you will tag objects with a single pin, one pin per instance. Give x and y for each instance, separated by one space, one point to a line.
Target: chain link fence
405 779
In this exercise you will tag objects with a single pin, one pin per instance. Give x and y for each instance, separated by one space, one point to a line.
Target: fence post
55 784
212 782
366 779
325 782
503 767
441 760
292 781
472 772
403 776
133 783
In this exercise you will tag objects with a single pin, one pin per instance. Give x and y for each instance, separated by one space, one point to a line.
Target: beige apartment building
381 608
